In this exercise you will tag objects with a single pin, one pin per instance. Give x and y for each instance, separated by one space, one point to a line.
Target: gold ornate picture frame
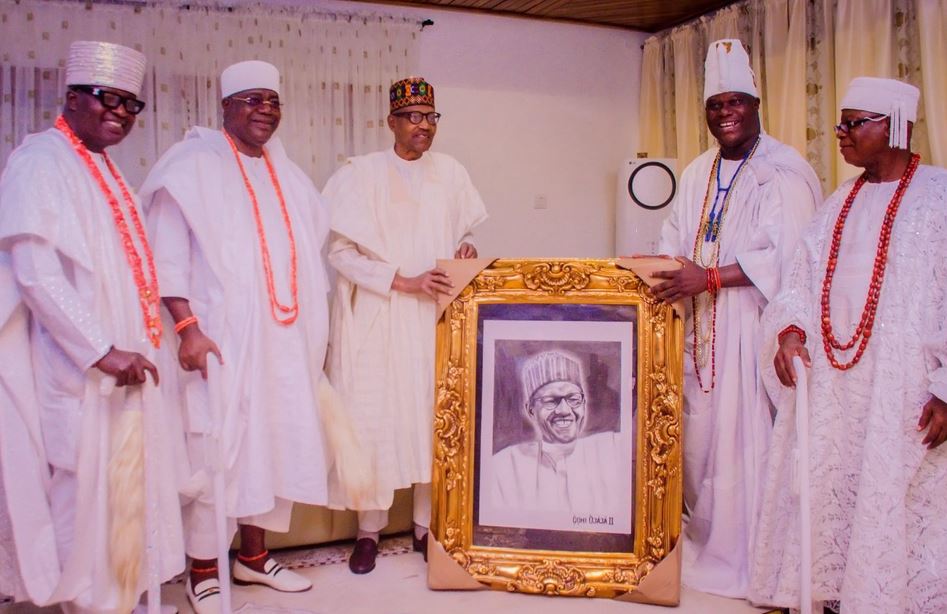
570 488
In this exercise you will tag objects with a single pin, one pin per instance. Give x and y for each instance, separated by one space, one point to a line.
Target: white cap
249 75
552 366
727 69
105 64
891 97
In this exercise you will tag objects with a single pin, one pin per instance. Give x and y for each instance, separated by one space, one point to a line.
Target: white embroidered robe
67 294
390 215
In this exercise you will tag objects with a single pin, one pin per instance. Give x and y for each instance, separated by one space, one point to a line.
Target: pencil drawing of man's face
558 409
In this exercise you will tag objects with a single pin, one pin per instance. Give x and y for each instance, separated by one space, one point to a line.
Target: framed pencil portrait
557 433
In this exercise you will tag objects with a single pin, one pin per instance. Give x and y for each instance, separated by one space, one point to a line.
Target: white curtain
336 69
804 53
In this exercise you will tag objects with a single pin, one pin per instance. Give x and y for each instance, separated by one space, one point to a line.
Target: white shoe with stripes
205 597
274 575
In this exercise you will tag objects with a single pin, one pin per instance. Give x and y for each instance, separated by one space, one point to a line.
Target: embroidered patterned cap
891 97
546 367
105 64
727 69
410 91
249 75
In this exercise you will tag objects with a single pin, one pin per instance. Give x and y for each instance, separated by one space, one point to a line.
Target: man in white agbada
237 230
734 222
394 213
88 473
865 306
561 470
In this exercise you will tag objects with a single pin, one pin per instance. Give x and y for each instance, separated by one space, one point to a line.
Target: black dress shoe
363 555
420 545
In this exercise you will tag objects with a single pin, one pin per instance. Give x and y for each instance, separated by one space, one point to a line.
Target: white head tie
105 64
896 99
249 75
727 69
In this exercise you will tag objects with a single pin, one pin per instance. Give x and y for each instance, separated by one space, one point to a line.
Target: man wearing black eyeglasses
238 231
394 214
79 402
865 312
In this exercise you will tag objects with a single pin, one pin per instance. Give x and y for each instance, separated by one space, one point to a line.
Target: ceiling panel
644 15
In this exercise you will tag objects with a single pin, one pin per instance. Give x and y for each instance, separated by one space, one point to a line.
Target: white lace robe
879 511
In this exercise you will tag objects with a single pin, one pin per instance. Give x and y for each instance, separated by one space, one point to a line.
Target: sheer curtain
804 53
336 69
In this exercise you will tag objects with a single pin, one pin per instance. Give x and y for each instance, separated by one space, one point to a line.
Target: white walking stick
802 474
218 466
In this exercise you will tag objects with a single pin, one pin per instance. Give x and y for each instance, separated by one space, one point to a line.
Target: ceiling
644 15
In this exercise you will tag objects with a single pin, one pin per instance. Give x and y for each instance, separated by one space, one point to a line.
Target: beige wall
537 109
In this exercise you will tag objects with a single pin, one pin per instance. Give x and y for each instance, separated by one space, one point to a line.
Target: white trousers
373 521
200 528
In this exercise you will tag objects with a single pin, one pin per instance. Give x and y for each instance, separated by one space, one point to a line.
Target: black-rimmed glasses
111 100
847 126
259 101
551 402
415 117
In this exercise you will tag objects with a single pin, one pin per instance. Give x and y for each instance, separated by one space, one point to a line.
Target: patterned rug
301 558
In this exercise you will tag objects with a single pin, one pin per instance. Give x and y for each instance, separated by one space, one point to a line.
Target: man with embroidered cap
563 469
865 307
734 222
249 295
87 462
394 213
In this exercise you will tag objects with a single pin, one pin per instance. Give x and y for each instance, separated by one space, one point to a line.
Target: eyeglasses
111 100
573 400
847 126
258 101
415 117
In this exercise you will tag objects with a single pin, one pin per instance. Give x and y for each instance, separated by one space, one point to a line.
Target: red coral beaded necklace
863 330
283 314
148 295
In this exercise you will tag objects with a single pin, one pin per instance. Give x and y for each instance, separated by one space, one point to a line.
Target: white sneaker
275 576
205 597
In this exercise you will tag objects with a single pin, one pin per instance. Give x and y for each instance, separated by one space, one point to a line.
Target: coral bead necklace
148 295
283 314
863 331
708 231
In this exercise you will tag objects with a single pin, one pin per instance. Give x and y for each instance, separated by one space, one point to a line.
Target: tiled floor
398 586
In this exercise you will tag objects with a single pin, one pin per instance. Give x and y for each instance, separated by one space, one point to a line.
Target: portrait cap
249 75
410 91
727 69
891 97
106 65
546 367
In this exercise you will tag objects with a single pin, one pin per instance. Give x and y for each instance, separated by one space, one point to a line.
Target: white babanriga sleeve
53 301
358 268
935 345
171 244
789 204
